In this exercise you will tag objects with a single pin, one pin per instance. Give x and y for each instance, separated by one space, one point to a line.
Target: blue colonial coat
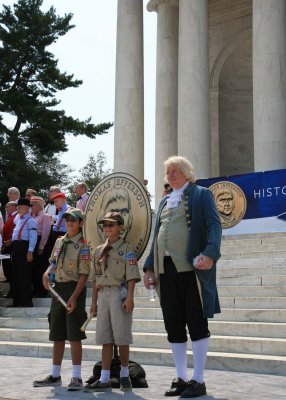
204 238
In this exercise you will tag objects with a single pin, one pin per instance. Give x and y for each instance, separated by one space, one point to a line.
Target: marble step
263 364
227 271
249 236
225 301
281 240
227 328
254 254
255 315
254 302
223 290
218 343
239 291
266 280
252 263
255 291
246 262
155 313
246 248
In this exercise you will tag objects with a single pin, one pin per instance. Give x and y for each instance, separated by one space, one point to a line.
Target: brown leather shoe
178 386
194 389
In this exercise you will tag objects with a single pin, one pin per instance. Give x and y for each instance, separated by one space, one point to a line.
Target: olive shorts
64 326
113 323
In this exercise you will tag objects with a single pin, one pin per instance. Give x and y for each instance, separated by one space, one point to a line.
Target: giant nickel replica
123 193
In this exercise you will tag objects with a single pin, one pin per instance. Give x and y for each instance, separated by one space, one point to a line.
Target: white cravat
175 197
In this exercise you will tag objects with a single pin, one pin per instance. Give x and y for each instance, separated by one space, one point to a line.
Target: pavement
18 373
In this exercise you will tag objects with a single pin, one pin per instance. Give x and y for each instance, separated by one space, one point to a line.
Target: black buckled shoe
178 387
194 389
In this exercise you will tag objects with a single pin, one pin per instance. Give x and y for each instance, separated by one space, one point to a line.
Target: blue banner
249 196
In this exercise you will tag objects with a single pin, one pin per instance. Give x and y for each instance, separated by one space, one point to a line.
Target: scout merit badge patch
131 258
85 255
123 193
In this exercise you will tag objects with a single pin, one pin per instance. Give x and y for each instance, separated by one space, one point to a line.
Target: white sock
124 372
104 376
179 351
76 371
200 350
56 371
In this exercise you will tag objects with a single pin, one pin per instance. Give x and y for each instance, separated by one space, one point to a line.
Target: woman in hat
24 239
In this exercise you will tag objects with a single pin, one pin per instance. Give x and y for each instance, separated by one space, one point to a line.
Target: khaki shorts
64 326
113 323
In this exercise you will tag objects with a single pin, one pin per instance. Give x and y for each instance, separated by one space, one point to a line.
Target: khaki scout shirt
72 258
121 264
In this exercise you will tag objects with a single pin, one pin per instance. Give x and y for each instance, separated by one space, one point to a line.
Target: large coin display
123 193
230 202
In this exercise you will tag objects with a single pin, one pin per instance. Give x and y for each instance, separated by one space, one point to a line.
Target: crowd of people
28 231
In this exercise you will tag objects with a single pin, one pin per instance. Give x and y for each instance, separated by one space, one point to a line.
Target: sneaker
98 386
194 389
125 384
48 381
75 384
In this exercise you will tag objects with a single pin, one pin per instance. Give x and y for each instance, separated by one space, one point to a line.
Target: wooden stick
83 328
58 297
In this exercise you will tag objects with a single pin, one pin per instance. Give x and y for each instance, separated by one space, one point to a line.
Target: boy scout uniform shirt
72 258
121 265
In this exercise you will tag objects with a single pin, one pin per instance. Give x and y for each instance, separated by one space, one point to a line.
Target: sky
89 51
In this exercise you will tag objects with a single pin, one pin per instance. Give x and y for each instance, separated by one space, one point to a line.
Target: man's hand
147 280
204 262
29 256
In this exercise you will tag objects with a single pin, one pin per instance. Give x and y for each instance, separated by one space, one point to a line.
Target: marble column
129 94
269 84
193 86
214 123
166 87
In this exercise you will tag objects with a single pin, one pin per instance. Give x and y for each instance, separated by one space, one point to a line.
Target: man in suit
182 261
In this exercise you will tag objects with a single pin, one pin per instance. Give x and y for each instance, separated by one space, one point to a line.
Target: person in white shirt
50 208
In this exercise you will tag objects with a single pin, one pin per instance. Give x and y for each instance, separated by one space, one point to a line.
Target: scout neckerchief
22 227
104 256
63 248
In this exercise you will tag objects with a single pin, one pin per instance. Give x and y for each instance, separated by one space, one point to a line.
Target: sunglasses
109 225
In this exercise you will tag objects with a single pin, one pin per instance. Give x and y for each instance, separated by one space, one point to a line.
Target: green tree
91 174
94 170
33 128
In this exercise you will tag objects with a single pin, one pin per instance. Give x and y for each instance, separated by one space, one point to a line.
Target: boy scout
70 260
115 269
